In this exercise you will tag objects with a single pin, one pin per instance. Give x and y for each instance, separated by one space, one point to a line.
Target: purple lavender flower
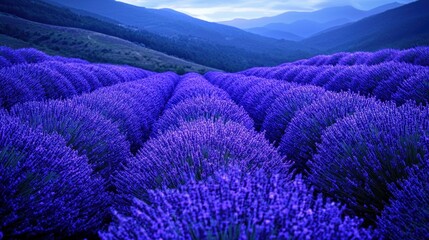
32 55
415 88
284 108
417 56
4 62
407 215
305 130
12 56
46 188
360 155
354 58
18 86
132 106
307 75
85 131
387 87
252 100
382 56
345 78
194 85
195 151
326 75
234 204
204 107
71 73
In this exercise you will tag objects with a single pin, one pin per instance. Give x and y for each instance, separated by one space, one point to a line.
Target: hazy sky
219 10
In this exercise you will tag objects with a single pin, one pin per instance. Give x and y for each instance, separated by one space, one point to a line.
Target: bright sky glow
220 10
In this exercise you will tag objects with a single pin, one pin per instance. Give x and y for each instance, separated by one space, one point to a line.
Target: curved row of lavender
31 75
387 75
10 57
207 174
415 56
58 157
354 149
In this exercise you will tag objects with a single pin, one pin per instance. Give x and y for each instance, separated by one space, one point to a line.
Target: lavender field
330 147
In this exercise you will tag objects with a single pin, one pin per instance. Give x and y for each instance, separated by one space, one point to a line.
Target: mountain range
297 30
322 16
403 27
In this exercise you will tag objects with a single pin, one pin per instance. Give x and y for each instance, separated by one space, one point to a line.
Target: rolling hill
403 27
297 30
275 33
89 45
207 43
320 16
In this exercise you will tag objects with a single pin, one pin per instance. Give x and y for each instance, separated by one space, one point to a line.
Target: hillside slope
204 42
275 33
301 29
92 46
403 27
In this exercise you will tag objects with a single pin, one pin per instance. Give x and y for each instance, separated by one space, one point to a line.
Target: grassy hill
203 42
89 45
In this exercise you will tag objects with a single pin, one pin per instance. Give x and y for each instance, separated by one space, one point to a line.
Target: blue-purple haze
220 10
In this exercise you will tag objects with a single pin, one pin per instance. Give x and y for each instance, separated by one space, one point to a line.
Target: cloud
219 10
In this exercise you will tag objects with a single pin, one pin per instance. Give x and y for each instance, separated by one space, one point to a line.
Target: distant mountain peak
320 16
388 29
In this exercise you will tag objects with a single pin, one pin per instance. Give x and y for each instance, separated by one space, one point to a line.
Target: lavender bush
417 56
17 88
132 106
252 99
71 73
234 204
284 108
46 189
381 56
195 151
85 131
415 88
306 128
407 214
195 85
32 55
361 155
326 74
205 107
4 62
12 56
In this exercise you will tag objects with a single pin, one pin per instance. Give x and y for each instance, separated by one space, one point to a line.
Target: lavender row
416 56
10 57
352 148
202 176
59 157
56 80
195 98
133 106
361 156
233 204
47 189
387 81
181 116
405 217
